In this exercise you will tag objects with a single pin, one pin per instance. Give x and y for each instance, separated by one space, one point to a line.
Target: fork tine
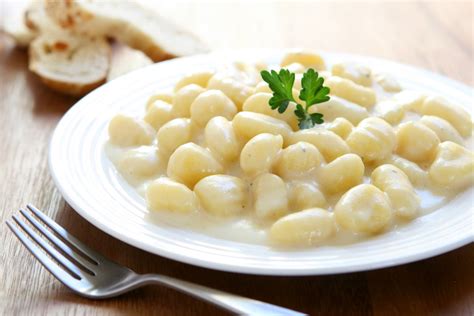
87 265
84 250
48 263
68 265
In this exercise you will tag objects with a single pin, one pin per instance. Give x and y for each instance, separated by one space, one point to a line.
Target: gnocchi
453 113
342 173
184 98
328 143
127 131
222 195
166 194
158 114
259 103
363 209
259 154
210 104
189 163
339 108
453 166
442 128
359 74
212 155
373 139
174 134
270 196
249 124
416 142
351 91
303 195
395 184
304 228
221 139
298 159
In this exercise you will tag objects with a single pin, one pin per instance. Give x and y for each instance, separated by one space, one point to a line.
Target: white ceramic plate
90 184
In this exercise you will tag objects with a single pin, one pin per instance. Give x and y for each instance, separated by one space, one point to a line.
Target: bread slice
15 27
126 59
129 23
38 21
70 64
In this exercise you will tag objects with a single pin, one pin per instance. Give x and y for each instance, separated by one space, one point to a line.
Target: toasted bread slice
129 23
70 64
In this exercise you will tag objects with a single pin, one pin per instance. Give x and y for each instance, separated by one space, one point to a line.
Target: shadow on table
417 288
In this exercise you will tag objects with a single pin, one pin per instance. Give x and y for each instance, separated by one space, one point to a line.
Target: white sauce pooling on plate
218 160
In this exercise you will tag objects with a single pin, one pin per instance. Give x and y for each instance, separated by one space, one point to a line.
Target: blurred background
399 30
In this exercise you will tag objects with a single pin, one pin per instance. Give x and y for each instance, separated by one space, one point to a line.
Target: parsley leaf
312 92
282 86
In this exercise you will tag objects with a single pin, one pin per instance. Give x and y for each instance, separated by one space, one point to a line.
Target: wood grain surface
434 35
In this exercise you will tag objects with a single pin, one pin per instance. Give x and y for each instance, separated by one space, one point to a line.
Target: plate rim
242 269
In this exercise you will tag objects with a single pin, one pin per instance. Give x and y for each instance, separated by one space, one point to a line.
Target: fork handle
233 303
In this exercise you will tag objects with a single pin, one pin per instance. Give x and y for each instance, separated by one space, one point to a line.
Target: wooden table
434 35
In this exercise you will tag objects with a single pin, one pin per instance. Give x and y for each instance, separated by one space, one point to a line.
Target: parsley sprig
312 92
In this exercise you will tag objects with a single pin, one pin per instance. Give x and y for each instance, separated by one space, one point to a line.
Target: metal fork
89 274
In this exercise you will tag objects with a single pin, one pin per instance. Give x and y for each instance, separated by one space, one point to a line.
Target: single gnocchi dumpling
270 196
304 228
184 98
342 173
453 113
139 162
328 143
409 100
363 209
387 82
259 154
169 195
358 73
222 195
259 103
443 129
221 139
390 110
198 78
190 163
306 58
247 73
174 134
373 139
416 142
394 182
339 108
250 124
159 113
210 104
453 166
237 91
262 87
166 96
298 159
127 131
351 91
296 68
303 195
341 126
415 174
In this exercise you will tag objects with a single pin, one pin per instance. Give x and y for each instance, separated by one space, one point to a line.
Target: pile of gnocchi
213 147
